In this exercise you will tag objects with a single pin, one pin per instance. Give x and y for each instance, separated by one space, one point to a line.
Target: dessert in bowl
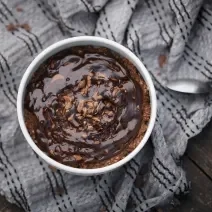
86 105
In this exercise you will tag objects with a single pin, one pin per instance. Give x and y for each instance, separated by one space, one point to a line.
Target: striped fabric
179 30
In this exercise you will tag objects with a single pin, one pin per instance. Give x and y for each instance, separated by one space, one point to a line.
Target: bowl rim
46 53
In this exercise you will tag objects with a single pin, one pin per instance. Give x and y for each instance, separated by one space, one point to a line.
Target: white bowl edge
77 41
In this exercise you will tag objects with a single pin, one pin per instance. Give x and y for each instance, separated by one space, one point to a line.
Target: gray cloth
179 30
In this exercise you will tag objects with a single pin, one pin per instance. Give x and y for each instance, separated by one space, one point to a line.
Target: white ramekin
81 41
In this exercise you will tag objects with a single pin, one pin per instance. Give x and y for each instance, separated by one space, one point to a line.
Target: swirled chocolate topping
87 107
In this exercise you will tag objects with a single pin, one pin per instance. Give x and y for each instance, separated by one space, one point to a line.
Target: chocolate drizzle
83 106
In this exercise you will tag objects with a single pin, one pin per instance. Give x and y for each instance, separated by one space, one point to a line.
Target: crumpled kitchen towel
171 37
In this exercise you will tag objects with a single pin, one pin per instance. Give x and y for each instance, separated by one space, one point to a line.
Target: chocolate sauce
83 106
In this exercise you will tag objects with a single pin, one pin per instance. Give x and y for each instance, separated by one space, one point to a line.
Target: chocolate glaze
83 106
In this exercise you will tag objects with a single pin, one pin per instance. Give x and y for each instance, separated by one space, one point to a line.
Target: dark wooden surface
198 165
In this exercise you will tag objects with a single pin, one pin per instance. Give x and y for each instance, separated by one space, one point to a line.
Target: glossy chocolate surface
82 106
